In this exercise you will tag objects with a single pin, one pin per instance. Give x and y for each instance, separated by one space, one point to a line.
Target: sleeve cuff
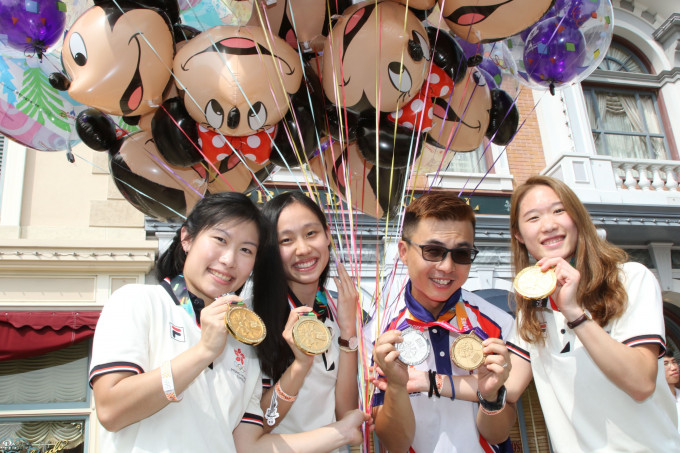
648 339
114 367
518 351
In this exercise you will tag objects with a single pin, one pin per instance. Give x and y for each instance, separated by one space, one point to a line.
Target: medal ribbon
192 305
444 321
321 308
546 302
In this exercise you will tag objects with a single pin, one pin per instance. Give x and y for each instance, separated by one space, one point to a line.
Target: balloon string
511 138
169 170
130 186
198 148
187 92
263 17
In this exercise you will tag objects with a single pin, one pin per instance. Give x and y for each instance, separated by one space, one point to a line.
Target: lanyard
444 321
323 306
179 289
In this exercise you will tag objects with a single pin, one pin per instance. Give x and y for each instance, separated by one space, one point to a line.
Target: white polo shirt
442 425
140 327
583 409
315 403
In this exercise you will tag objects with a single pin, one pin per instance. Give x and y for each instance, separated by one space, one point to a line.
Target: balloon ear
183 32
388 184
96 129
176 134
59 81
503 118
394 144
169 7
447 53
421 14
155 200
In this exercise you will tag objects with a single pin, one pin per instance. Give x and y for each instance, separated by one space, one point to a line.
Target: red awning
29 333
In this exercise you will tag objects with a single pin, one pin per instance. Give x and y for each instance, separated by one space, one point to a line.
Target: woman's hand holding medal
568 279
301 357
213 333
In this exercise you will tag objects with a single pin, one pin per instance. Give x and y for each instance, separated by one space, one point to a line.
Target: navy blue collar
422 313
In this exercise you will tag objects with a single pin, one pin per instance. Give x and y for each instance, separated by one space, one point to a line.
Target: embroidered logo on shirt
239 366
176 333
240 357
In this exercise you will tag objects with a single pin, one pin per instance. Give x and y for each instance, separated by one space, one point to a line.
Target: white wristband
168 383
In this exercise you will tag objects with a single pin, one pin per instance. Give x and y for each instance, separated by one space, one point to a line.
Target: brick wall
525 152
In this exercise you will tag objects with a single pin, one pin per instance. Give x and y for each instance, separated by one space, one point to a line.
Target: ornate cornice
60 258
670 26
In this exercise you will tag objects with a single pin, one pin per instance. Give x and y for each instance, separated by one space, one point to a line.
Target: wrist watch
349 345
493 407
586 316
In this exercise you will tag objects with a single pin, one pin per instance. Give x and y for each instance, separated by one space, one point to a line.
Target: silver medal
414 349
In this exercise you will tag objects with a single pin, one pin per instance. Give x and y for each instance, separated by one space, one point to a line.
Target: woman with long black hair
166 373
305 391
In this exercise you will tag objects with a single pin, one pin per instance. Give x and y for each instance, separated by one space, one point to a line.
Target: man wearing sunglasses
435 405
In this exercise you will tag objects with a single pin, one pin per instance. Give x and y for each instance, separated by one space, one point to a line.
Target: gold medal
311 335
531 283
244 324
467 352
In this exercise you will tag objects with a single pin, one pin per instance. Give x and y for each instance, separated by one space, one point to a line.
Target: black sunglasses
438 253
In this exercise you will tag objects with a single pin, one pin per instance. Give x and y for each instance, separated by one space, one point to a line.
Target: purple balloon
490 69
552 12
472 51
32 25
579 11
554 52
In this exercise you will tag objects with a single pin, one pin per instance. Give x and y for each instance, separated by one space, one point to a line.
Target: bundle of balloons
203 96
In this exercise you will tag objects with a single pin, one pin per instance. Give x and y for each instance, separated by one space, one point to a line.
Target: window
476 161
470 162
44 402
625 121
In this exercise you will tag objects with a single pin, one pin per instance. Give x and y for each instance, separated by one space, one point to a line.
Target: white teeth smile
220 275
305 264
441 281
552 241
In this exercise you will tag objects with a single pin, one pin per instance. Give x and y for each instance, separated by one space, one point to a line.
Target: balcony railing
649 175
609 179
